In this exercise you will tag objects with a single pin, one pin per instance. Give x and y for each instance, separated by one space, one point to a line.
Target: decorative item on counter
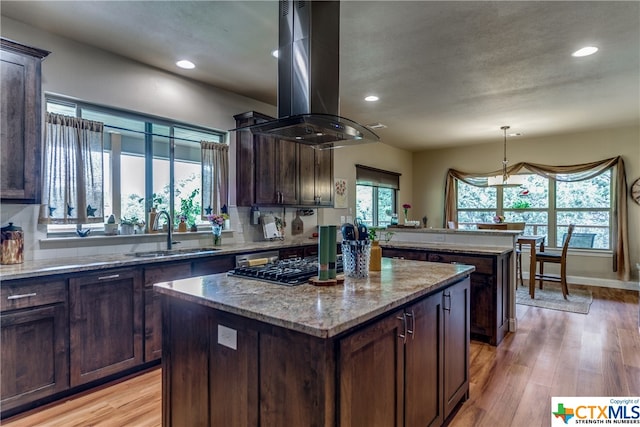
323 252
406 208
356 250
217 221
254 215
111 228
193 228
12 244
182 225
82 233
394 219
126 225
375 261
333 250
424 221
152 217
498 219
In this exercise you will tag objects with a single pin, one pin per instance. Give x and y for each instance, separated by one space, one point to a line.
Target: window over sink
149 162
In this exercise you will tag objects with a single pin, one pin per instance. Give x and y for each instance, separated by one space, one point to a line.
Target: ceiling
447 73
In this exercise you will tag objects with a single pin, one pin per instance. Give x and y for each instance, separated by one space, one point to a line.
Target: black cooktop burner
290 272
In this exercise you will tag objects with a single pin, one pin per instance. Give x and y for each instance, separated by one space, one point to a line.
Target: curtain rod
153 134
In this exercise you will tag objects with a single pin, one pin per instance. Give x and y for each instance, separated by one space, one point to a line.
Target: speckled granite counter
48 267
449 247
319 311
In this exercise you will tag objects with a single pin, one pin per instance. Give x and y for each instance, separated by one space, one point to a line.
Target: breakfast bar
370 351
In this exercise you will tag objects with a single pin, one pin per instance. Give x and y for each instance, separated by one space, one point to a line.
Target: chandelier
505 180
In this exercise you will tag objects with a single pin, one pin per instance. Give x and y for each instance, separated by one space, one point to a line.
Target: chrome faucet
169 226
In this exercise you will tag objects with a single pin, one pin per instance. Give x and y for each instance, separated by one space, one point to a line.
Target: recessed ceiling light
274 53
187 65
585 51
371 98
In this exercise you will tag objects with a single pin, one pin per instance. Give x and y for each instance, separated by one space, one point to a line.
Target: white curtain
73 171
215 177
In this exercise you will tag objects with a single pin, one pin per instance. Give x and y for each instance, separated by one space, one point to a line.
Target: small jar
12 245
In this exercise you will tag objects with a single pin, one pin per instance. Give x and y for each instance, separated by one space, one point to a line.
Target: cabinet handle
444 305
111 276
32 294
404 327
412 330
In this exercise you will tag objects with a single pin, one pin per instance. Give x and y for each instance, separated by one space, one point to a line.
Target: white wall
430 169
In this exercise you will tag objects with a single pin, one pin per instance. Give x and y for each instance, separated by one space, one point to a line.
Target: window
375 195
547 206
149 161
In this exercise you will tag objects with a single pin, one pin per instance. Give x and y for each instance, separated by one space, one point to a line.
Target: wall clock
635 191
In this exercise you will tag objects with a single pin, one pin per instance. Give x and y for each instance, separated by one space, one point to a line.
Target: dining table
533 242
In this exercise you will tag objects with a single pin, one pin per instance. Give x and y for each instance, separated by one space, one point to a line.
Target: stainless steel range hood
308 79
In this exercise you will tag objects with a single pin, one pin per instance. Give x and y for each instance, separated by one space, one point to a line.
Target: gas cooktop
288 272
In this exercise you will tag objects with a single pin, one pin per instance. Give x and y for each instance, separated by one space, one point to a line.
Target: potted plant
127 225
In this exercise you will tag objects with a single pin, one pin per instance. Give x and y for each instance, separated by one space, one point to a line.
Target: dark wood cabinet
34 360
411 367
276 171
106 312
489 293
315 171
372 375
456 336
213 265
489 288
153 304
271 171
20 122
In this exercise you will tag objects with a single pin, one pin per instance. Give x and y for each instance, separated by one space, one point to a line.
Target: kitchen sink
172 252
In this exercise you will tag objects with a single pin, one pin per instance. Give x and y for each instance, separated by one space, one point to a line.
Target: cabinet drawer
29 294
483 265
213 265
166 272
404 254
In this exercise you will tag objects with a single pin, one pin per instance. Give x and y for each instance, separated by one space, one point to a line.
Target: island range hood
308 79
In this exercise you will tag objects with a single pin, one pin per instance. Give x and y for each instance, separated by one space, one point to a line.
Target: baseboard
594 281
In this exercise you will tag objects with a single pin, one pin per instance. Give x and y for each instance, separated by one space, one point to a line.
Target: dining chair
520 227
561 259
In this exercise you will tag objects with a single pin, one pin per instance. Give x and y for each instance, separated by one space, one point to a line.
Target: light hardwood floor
553 353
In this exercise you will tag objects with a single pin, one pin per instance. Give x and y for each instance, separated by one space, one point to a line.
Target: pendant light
505 180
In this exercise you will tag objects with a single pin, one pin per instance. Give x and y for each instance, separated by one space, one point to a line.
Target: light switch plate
227 337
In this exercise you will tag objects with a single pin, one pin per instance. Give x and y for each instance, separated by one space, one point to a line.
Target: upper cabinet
20 122
271 171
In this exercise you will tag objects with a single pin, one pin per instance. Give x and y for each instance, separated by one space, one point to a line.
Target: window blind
366 175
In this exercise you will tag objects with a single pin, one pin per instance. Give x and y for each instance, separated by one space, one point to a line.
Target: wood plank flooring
553 353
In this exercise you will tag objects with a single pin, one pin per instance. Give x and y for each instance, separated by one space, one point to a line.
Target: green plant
382 231
521 204
190 208
133 220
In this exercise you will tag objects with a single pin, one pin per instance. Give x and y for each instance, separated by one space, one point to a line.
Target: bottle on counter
375 260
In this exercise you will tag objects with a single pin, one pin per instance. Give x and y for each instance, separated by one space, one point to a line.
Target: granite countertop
449 247
321 311
48 267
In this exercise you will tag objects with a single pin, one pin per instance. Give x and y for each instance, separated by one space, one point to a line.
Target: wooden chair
520 227
561 259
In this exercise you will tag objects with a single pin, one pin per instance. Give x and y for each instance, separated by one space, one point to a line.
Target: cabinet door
153 305
456 344
34 358
371 375
315 169
106 324
20 143
424 363
276 171
213 265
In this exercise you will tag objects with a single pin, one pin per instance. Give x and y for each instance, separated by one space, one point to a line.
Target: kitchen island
388 350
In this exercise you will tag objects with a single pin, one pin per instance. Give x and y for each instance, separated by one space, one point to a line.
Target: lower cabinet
105 324
411 367
489 288
34 357
153 304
